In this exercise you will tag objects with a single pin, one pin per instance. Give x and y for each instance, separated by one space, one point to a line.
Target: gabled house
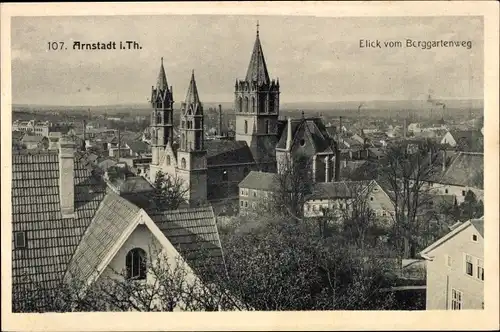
255 189
464 140
455 268
460 173
341 195
68 223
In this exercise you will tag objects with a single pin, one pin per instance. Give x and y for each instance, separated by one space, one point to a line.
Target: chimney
219 130
430 158
289 134
66 177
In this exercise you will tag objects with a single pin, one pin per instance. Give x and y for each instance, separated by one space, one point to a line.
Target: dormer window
302 142
474 238
19 240
136 264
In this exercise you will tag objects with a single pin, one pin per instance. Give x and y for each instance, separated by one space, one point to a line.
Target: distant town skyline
315 59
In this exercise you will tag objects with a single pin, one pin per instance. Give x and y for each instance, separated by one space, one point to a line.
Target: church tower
257 110
162 116
192 156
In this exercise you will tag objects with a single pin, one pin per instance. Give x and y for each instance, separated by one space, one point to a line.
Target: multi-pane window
456 299
136 264
469 265
480 269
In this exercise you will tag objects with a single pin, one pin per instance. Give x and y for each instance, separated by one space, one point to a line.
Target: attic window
474 237
302 142
371 198
19 240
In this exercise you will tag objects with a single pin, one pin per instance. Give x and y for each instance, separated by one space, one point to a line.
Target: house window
446 191
168 160
246 204
246 127
456 299
474 237
136 264
19 240
241 203
183 163
480 269
463 192
469 265
254 193
371 198
448 260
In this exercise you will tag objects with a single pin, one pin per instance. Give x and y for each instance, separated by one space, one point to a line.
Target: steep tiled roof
343 189
257 69
114 216
132 184
463 170
226 152
50 239
193 232
259 181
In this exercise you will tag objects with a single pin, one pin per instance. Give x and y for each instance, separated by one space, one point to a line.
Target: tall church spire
257 69
192 96
161 82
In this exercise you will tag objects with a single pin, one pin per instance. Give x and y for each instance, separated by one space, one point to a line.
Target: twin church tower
256 107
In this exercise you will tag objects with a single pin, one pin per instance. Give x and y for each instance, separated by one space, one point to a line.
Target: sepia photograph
246 163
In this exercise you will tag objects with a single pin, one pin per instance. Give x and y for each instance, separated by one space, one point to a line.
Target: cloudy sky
315 59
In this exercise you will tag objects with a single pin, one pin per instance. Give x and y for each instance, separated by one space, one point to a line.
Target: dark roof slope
463 170
226 152
50 239
479 225
313 129
193 232
259 181
342 189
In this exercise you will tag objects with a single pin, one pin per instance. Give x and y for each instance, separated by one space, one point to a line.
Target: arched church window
168 160
240 104
183 163
253 104
183 141
246 127
135 262
271 105
245 171
246 104
267 126
225 175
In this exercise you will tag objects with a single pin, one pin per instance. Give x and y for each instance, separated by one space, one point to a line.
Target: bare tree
169 191
292 186
407 177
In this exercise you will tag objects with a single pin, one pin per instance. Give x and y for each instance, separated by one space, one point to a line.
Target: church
212 169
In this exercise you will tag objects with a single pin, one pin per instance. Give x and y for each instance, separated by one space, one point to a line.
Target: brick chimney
220 121
67 150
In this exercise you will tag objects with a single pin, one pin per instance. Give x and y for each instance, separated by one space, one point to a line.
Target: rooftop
259 181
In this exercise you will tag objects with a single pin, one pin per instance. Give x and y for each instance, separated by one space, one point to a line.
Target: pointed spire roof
192 96
161 82
257 69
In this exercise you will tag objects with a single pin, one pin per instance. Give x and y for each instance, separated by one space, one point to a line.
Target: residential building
32 127
461 172
339 196
255 190
455 268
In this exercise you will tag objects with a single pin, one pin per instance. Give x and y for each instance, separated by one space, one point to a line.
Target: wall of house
251 199
441 278
219 187
458 191
142 238
448 139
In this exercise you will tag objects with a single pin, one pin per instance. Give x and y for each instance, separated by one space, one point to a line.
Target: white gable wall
441 278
